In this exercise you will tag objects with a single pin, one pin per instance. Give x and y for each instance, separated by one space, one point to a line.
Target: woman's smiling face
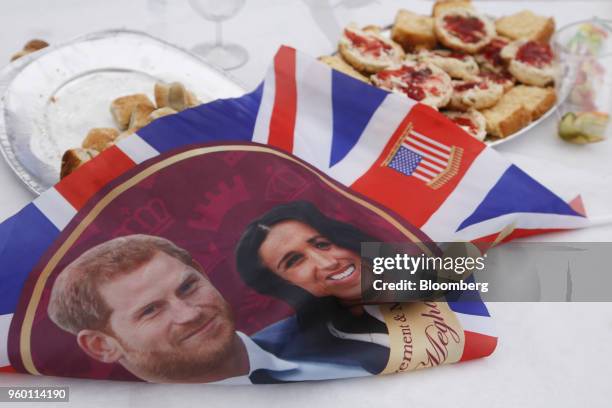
302 256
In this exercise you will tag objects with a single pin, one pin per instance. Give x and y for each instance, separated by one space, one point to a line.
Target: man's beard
185 365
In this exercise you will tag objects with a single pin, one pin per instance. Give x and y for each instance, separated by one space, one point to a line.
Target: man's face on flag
169 321
302 256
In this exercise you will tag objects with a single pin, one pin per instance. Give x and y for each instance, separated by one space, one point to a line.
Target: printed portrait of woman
296 253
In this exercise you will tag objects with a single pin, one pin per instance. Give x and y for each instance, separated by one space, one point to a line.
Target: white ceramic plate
50 100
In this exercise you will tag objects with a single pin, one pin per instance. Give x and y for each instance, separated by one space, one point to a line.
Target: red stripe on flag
429 166
7 369
430 142
81 185
420 171
282 121
428 149
477 346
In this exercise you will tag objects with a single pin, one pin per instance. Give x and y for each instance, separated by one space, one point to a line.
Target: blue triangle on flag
517 192
228 120
467 301
353 103
20 250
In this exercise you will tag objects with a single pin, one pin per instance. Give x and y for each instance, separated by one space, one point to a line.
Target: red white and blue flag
404 155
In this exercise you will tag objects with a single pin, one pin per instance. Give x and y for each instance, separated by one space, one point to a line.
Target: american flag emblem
430 161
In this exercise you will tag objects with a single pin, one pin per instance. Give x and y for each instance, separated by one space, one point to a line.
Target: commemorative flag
402 155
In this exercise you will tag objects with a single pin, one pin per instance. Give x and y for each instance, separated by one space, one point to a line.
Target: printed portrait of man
144 303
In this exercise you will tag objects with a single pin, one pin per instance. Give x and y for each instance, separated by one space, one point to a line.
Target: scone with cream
530 62
456 64
489 57
464 30
472 121
476 93
368 51
504 78
421 81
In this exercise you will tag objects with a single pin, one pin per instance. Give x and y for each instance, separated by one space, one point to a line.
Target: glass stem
219 37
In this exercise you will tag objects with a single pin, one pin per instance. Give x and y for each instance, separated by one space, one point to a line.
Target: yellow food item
584 127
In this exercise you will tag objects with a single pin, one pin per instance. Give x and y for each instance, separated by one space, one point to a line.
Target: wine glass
226 56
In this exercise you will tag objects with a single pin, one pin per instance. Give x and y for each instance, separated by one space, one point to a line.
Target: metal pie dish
52 98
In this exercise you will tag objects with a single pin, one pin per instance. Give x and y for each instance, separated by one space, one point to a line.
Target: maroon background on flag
202 204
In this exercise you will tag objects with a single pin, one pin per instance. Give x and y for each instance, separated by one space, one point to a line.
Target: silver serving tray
52 98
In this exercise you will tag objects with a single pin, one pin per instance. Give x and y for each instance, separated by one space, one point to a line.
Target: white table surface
552 354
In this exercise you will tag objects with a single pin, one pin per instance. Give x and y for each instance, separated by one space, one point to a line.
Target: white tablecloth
549 354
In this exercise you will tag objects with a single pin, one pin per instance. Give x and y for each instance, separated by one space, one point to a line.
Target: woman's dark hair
266 282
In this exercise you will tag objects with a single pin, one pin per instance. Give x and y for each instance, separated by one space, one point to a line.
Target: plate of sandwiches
62 105
494 77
